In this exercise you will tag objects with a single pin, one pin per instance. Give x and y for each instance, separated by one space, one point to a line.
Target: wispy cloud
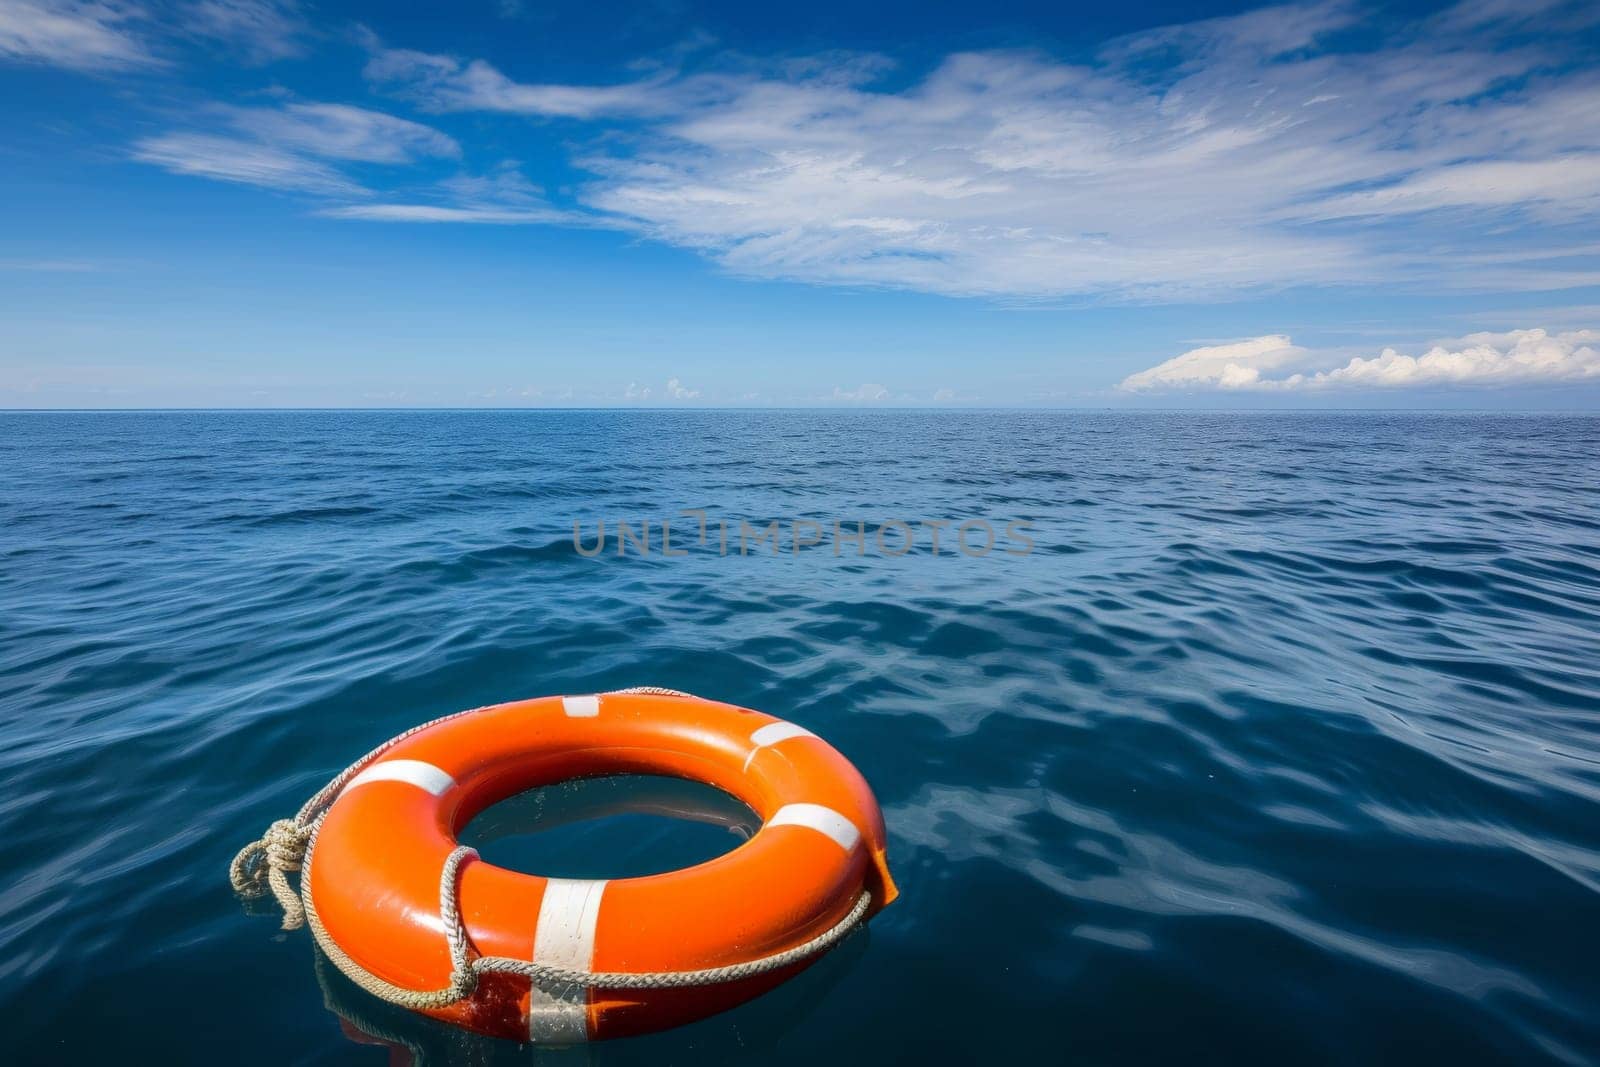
339 131
1517 358
234 159
1203 161
478 214
101 35
448 83
85 36
1561 15
502 197
261 30
295 147
1568 183
1258 151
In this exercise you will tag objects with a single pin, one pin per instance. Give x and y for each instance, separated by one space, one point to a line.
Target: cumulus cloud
78 35
295 147
675 390
1520 357
1230 366
1262 150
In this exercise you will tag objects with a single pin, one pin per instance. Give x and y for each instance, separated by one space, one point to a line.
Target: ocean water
1281 744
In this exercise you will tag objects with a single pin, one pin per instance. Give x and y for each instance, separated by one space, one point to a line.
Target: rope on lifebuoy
264 866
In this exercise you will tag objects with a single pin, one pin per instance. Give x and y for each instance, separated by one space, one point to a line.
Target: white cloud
95 35
1520 357
1194 161
675 390
262 30
1231 366
293 147
1572 181
1551 14
234 159
865 394
501 197
339 131
446 83
87 36
441 213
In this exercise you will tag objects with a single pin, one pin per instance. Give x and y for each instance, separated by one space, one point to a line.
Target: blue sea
1271 738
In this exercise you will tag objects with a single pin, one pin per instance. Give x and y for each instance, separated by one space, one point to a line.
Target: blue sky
507 203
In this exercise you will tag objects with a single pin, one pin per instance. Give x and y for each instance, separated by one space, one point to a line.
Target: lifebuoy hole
619 826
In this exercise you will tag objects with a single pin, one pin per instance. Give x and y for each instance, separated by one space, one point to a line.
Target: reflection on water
754 1032
624 826
611 827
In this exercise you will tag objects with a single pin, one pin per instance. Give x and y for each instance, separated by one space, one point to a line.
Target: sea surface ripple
1281 745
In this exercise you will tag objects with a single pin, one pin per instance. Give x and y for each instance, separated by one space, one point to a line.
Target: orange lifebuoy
381 846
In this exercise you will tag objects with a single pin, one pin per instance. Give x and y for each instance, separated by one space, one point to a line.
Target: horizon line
1141 409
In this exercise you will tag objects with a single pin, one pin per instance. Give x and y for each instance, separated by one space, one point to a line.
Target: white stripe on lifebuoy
564 938
824 820
586 707
412 771
771 734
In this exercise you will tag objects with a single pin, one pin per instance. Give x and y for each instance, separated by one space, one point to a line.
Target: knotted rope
287 847
264 865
